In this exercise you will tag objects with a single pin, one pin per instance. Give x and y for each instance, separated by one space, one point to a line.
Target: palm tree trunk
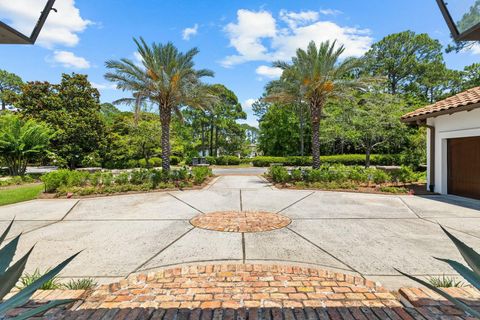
165 117
316 111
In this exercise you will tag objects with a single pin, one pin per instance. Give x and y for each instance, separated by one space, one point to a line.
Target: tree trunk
211 139
368 151
302 140
316 111
165 117
4 105
203 140
216 141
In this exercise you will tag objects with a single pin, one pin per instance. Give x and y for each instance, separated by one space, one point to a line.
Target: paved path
360 234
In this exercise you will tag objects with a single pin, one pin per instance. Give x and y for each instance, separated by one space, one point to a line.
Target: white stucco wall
458 125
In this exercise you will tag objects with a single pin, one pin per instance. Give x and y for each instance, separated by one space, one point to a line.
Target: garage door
464 167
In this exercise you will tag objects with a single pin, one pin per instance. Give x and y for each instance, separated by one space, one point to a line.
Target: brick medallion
240 221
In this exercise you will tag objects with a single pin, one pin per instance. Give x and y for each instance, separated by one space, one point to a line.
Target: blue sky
237 39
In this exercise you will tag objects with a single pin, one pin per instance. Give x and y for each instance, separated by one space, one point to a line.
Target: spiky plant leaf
471 257
33 312
453 300
7 253
4 235
23 296
466 273
11 276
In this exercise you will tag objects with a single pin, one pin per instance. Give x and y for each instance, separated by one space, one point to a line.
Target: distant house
453 143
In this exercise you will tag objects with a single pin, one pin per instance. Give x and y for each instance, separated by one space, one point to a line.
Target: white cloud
246 35
330 12
258 36
294 19
103 86
61 28
269 72
69 60
475 49
189 32
247 104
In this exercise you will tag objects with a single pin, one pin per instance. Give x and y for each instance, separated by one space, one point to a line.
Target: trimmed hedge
346 159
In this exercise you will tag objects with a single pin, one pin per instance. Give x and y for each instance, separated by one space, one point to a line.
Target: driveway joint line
409 208
162 250
188 204
241 203
70 210
244 255
294 203
325 251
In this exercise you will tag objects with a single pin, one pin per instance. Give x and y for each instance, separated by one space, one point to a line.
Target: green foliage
471 273
83 183
28 278
227 160
72 109
16 180
21 141
392 189
279 174
346 159
80 284
445 282
63 177
11 273
174 160
200 174
10 85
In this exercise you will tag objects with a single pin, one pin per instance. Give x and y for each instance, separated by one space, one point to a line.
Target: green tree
167 77
471 76
402 57
279 134
317 75
10 84
144 137
22 141
72 108
376 121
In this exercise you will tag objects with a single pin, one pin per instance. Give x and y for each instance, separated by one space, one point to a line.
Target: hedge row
346 159
142 163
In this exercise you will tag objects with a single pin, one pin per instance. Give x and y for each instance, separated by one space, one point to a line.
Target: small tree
21 141
10 84
376 121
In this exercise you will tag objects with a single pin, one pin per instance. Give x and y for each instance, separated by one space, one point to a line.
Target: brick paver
252 291
240 221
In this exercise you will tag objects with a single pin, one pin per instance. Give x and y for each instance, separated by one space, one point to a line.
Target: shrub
296 174
395 190
211 160
200 174
346 159
174 160
157 162
227 160
122 178
404 175
279 174
53 180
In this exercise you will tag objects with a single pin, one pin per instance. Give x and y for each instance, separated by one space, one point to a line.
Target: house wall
458 125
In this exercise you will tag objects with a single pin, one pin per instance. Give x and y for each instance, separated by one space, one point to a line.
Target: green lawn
21 193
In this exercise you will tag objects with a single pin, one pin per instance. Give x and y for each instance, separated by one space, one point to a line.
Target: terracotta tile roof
466 98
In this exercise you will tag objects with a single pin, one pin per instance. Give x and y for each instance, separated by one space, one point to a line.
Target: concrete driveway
354 233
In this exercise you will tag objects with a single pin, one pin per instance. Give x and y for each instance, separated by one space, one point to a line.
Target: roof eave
414 119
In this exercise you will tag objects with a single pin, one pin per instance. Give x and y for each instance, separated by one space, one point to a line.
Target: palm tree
165 77
21 141
137 100
314 76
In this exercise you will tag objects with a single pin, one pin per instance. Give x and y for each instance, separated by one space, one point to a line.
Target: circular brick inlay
240 221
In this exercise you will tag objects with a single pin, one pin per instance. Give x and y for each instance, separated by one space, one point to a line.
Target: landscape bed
77 183
402 180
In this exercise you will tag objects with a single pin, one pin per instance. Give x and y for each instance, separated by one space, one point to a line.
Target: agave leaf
11 276
466 273
4 235
471 257
7 253
453 300
52 304
23 296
